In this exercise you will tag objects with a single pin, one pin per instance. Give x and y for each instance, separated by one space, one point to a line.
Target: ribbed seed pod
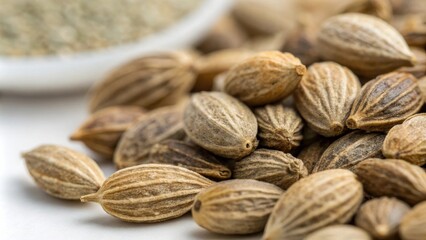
264 78
325 95
312 153
413 224
221 124
215 63
62 172
319 200
351 149
339 232
407 141
189 156
272 166
152 128
367 45
150 82
381 217
103 129
280 127
149 193
235 206
385 101
393 178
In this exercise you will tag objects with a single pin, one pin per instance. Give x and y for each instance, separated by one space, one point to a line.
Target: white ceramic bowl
35 75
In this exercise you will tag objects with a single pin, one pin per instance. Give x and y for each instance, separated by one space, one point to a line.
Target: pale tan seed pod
325 95
224 34
102 130
385 102
271 42
154 127
62 172
219 82
319 200
393 178
351 149
272 166
189 156
413 224
280 127
215 63
235 206
264 78
365 44
149 193
336 232
407 141
221 124
381 217
150 82
312 153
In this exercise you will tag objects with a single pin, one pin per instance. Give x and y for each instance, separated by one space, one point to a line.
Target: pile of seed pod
303 131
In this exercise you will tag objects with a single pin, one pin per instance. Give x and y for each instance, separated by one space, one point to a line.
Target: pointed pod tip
351 122
300 70
93 197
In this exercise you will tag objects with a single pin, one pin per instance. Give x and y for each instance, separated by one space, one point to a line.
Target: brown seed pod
189 156
381 217
365 44
215 63
149 193
319 200
393 178
325 95
221 124
407 141
272 166
280 127
413 224
413 28
385 101
154 127
351 149
335 232
150 82
235 206
264 78
419 69
312 153
62 172
102 130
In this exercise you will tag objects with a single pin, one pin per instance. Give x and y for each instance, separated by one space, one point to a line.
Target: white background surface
26 212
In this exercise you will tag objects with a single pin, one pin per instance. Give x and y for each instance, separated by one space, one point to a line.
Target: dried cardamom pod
367 45
413 224
419 69
221 124
102 130
381 217
235 206
154 127
62 172
225 33
150 82
407 141
280 127
312 153
264 78
334 232
215 63
325 96
189 156
149 192
319 200
393 178
385 101
351 149
272 166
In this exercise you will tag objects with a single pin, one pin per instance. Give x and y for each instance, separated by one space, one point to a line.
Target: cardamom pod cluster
294 120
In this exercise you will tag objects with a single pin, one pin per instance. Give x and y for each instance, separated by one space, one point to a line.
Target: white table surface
26 212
